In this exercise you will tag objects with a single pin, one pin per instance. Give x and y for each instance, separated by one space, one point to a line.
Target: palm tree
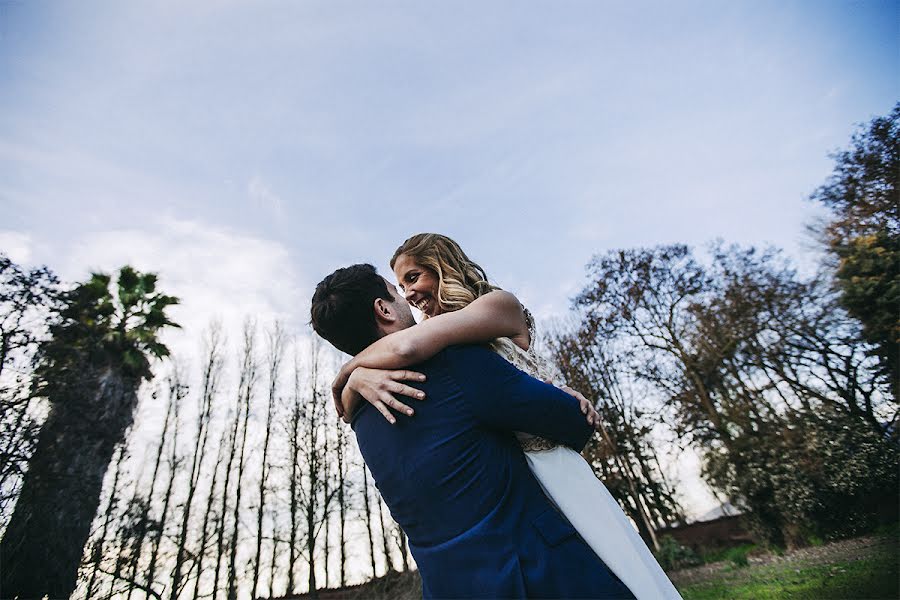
89 371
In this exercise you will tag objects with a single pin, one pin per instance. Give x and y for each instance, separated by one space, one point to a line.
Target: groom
454 476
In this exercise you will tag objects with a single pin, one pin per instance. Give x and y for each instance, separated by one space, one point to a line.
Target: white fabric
570 483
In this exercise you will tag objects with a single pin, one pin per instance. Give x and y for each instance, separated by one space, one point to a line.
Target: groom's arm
504 397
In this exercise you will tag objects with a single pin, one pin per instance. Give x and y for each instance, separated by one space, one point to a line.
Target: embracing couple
484 474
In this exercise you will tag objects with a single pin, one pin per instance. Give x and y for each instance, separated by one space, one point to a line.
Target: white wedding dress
570 483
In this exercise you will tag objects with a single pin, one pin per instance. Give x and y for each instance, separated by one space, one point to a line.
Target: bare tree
273 564
29 301
90 371
742 352
399 538
386 546
209 388
177 392
140 506
623 454
368 517
248 384
341 498
314 496
98 550
275 353
247 374
294 435
125 535
210 518
326 485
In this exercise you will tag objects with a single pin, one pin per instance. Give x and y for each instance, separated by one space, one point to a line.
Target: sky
244 150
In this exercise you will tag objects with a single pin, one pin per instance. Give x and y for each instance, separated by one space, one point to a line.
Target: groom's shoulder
471 359
461 355
465 352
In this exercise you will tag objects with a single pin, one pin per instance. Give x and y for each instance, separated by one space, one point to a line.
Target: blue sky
534 133
244 150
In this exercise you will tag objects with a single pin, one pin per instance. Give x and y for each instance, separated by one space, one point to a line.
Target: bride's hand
379 387
337 387
587 407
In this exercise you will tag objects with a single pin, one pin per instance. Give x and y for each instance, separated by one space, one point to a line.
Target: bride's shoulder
501 299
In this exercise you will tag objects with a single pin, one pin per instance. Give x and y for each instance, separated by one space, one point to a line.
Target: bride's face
419 284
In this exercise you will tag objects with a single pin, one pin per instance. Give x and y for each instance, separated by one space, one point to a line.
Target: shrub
672 555
818 475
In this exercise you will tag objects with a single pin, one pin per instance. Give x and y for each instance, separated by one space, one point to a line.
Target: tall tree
624 456
740 348
368 517
29 301
249 375
209 387
864 235
140 523
211 523
98 551
385 543
247 372
341 497
90 372
177 392
314 493
294 435
275 353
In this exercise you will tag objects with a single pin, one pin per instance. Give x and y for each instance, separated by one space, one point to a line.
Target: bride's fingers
404 375
389 399
384 411
406 390
585 405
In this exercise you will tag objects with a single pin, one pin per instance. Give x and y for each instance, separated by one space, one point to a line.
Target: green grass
871 577
736 555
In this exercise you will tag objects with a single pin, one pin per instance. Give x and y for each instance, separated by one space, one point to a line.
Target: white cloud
17 246
217 274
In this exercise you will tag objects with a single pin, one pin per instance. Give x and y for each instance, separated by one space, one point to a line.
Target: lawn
853 569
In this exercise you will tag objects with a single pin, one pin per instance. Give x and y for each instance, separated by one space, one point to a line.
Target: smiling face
403 316
419 284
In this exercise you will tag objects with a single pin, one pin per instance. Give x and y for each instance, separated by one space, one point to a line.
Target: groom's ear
384 315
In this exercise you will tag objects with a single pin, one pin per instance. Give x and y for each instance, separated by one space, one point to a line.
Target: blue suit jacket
455 479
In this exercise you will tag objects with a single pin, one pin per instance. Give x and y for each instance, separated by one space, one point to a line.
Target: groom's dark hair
342 309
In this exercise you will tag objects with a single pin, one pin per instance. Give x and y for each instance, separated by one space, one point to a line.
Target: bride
460 306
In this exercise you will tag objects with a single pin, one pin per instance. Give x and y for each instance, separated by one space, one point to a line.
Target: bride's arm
496 314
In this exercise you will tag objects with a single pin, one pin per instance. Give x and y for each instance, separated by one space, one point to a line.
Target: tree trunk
325 484
139 543
248 378
97 555
342 446
275 352
44 541
209 512
176 393
389 564
273 565
232 451
294 461
210 385
369 519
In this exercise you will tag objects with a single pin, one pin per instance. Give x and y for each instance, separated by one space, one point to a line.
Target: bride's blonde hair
460 280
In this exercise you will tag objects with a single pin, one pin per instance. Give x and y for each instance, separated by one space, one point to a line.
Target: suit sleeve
504 397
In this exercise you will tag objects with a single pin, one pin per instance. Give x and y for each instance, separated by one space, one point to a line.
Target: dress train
569 482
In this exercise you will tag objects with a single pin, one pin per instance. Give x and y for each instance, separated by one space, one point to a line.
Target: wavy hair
460 280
